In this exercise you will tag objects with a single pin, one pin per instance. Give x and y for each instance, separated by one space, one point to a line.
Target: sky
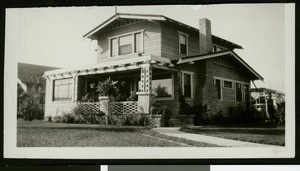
54 36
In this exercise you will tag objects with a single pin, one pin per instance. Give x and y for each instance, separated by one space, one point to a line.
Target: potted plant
107 89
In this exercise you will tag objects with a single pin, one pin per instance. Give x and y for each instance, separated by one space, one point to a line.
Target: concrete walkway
174 132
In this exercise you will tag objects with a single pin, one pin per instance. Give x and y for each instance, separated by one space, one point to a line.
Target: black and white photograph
150 82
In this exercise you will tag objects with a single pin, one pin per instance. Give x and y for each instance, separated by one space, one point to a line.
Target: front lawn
45 134
273 136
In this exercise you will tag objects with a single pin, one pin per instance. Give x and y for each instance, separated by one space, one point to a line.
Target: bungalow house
161 60
262 98
27 74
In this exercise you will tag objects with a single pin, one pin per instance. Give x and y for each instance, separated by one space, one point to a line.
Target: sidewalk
174 132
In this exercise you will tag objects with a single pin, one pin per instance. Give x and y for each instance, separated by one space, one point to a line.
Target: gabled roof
193 58
153 17
26 71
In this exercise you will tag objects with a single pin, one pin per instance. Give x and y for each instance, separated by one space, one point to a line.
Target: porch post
75 88
145 96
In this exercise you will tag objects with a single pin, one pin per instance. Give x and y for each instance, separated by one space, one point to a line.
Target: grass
273 136
45 134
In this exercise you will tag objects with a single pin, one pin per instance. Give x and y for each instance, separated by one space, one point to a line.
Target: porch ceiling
113 66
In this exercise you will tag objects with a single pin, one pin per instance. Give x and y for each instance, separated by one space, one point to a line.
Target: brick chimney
205 42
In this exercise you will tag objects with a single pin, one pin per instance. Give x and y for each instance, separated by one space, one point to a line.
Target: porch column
145 96
75 88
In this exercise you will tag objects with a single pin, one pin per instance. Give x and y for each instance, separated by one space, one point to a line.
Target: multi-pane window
62 89
227 84
187 85
231 90
183 43
238 92
126 44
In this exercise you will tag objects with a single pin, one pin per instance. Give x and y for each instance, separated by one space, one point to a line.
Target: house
28 72
264 97
161 60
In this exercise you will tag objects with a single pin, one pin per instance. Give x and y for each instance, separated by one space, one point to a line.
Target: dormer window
124 44
183 43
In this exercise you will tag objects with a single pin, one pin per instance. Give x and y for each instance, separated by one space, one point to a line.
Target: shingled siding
152 40
170 40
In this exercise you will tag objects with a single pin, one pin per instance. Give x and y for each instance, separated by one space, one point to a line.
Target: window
162 85
183 43
113 46
138 42
218 84
227 84
126 44
187 84
246 92
238 92
62 89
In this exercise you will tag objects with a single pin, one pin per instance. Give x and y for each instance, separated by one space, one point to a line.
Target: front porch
141 81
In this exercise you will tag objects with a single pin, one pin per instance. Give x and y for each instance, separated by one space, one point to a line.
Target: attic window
183 43
126 43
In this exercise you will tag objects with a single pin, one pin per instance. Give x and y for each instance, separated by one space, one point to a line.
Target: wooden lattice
119 108
90 106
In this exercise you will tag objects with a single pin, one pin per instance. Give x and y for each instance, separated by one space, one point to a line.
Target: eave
190 59
91 33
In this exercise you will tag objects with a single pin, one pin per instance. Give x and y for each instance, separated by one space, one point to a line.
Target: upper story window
62 89
126 43
183 43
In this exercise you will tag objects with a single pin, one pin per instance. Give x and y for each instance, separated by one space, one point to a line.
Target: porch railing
119 108
90 106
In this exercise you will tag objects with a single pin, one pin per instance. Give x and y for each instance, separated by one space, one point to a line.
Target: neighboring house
26 72
152 53
262 96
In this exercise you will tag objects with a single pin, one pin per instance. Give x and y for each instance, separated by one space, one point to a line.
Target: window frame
187 42
132 41
221 87
72 90
233 82
192 84
173 92
228 81
242 95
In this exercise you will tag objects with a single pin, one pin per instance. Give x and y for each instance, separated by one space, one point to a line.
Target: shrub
28 106
280 113
157 109
82 114
131 120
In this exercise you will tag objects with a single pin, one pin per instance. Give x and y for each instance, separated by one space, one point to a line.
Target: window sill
61 101
125 56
